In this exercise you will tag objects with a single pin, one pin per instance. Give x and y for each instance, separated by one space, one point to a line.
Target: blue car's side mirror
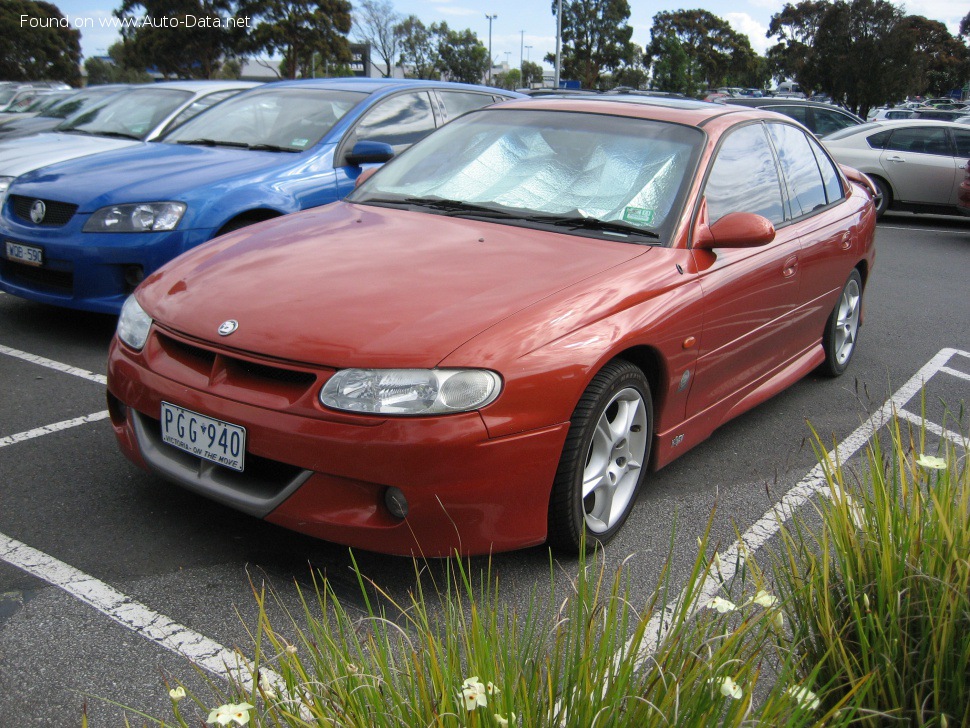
370 153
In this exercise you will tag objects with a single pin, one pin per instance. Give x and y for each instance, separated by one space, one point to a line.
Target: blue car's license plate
29 254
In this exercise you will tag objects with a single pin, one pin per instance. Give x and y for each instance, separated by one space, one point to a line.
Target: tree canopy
595 38
374 22
42 49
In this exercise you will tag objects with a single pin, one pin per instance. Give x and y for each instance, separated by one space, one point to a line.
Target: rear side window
798 113
961 138
744 177
828 121
458 102
800 168
920 140
830 175
878 141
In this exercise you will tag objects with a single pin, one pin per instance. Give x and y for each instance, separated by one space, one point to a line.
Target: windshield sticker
638 215
299 142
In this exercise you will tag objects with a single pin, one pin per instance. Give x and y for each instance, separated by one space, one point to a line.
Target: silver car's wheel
842 329
604 458
884 197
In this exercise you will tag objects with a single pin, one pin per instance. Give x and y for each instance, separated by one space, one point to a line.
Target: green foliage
880 599
118 68
532 73
39 49
463 57
714 50
180 38
670 69
511 79
595 38
306 33
419 49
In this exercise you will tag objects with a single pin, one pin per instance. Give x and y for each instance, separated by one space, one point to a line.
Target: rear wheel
885 195
604 459
842 328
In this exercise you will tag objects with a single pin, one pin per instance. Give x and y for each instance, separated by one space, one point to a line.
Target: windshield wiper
117 135
213 143
579 222
457 207
273 148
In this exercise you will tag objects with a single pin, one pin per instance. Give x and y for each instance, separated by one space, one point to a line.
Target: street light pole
558 41
490 19
521 50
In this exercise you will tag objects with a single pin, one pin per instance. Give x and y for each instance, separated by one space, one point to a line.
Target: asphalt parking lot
111 579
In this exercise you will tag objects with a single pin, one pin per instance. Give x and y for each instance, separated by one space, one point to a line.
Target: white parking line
48 429
51 364
814 482
127 612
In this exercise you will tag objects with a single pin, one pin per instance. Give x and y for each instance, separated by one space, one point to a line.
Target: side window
920 140
458 102
961 137
400 121
878 141
830 175
829 120
200 105
744 177
800 168
798 113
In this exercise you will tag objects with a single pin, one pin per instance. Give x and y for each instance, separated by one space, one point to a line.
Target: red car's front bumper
327 474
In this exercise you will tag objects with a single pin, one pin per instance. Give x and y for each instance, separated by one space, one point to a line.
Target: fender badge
227 327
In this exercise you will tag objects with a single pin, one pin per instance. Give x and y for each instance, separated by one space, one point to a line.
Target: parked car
938 114
820 118
112 218
121 120
49 117
916 164
890 113
494 337
963 194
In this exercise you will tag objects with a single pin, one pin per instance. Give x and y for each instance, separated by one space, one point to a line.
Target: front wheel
842 328
604 459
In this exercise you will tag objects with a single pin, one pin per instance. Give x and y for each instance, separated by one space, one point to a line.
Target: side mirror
370 153
737 230
364 176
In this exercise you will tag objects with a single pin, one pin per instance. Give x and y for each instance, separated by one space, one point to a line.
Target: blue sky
521 23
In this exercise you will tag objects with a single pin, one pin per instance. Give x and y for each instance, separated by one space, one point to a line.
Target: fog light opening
134 274
396 503
117 410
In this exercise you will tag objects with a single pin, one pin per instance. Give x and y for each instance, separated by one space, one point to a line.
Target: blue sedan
84 233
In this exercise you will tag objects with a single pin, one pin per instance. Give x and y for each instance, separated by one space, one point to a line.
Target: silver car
125 119
917 164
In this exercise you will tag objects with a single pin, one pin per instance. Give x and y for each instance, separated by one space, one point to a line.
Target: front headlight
142 217
133 324
410 391
5 183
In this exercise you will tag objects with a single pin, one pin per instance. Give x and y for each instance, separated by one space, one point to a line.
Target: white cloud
744 23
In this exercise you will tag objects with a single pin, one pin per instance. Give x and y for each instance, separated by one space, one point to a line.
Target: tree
670 69
374 22
464 58
595 38
532 73
117 69
796 27
714 49
305 32
940 62
511 79
44 47
180 38
419 49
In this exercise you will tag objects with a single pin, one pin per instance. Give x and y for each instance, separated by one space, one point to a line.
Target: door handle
895 158
846 241
790 266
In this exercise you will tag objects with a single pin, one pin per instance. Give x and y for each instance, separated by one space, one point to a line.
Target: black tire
619 394
884 198
842 329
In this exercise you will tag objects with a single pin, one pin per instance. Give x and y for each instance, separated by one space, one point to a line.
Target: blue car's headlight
4 186
141 217
133 324
410 391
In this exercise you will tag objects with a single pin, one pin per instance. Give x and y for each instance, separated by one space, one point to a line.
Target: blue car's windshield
283 119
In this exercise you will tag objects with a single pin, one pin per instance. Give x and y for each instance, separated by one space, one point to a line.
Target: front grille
56 281
273 374
56 214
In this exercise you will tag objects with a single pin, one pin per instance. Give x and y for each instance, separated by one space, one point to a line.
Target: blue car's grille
55 214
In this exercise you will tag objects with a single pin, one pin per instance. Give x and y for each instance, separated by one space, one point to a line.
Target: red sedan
490 342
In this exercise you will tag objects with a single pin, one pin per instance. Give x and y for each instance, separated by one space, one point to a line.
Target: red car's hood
350 285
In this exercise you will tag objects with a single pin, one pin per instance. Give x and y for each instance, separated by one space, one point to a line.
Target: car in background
927 112
917 164
50 116
819 118
885 114
118 121
491 341
84 233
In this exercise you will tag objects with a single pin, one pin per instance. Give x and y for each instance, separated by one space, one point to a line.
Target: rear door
919 162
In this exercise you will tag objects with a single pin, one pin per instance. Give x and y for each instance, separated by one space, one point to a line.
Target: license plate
205 437
24 253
